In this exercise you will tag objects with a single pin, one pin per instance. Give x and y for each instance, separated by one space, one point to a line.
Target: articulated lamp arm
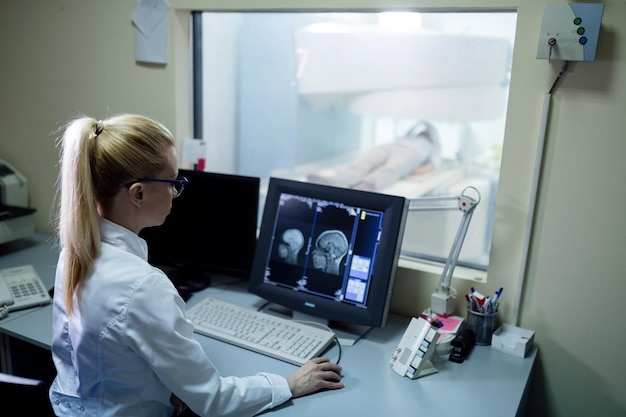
443 299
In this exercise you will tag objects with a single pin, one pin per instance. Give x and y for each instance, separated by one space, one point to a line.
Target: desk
489 382
40 251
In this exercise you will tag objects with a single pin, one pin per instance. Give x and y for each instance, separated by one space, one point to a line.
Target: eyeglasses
178 184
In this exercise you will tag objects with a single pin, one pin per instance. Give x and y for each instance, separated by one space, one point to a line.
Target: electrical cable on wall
556 80
533 193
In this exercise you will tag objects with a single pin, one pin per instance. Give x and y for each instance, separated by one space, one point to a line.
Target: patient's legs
403 157
381 166
353 173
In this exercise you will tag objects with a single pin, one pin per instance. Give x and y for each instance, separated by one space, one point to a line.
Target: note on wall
194 153
151 31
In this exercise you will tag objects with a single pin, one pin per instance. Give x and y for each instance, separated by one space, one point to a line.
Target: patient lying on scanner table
379 167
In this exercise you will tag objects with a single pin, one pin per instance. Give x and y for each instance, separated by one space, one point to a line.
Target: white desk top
489 382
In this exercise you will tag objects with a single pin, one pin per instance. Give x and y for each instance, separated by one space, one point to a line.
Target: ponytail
79 222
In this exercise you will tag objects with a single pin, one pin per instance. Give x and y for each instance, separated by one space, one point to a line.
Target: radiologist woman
122 344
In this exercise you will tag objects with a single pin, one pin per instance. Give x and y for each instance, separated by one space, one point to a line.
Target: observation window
404 103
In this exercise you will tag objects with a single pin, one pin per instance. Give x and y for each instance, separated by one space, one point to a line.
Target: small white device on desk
16 218
412 357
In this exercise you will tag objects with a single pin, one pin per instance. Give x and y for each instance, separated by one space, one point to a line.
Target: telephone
412 357
21 287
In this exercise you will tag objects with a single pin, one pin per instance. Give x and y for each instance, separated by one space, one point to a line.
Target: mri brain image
330 248
292 243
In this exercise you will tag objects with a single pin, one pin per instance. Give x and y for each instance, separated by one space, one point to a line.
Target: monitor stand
347 334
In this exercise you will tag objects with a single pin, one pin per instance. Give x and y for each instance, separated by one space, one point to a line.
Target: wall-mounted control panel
570 31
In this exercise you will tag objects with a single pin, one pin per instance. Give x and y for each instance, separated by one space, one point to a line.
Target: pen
494 301
470 302
497 295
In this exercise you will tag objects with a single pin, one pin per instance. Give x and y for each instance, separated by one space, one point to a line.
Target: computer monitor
211 229
330 253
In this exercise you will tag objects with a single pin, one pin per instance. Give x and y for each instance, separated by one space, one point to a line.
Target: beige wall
62 57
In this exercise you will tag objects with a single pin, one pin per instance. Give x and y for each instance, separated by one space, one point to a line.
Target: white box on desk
513 340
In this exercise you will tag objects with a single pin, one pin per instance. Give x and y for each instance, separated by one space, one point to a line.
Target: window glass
396 102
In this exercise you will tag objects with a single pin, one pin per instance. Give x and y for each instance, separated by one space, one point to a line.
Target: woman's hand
313 376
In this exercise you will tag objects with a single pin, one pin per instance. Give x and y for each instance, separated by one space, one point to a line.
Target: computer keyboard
279 338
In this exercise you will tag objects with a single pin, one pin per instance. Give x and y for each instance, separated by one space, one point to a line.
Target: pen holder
482 324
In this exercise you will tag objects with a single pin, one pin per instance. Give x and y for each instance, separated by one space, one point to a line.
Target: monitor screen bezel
377 306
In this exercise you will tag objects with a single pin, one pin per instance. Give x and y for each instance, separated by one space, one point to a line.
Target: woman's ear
135 193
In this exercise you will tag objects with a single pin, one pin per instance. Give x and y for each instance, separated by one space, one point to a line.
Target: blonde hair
97 158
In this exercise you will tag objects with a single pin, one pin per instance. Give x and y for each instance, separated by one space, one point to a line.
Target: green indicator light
578 21
580 31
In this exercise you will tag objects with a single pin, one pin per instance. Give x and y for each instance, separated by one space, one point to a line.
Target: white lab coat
129 345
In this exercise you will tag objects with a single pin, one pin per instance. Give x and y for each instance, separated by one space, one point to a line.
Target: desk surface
489 382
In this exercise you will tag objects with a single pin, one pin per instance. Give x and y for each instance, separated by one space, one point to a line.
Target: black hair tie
99 127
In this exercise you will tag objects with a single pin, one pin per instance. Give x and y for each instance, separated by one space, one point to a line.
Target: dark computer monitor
211 229
329 252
